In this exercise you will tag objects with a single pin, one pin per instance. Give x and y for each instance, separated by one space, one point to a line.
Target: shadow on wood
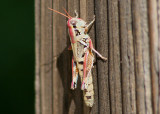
70 97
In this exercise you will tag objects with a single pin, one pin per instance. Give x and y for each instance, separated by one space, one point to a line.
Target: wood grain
46 58
146 56
158 22
83 15
38 56
101 31
142 57
127 58
77 96
61 62
154 54
126 32
90 12
87 13
114 58
140 100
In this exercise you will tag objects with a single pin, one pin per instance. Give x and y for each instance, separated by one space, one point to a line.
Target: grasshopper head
76 28
76 23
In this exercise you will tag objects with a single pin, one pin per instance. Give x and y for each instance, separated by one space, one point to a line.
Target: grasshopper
82 60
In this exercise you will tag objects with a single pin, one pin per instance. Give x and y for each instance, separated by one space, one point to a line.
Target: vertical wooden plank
142 61
90 12
127 58
158 18
46 57
83 15
138 58
83 9
77 96
114 58
87 14
154 53
101 31
146 56
37 58
72 6
61 91
120 34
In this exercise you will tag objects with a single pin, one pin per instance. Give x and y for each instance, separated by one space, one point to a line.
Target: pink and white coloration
82 60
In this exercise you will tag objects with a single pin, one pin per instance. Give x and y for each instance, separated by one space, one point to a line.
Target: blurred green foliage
17 57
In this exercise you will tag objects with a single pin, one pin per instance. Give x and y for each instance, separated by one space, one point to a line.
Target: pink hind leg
84 83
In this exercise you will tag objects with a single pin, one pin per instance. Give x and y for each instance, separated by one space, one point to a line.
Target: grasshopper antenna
66 12
60 13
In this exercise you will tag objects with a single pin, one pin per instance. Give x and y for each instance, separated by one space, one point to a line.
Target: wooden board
126 32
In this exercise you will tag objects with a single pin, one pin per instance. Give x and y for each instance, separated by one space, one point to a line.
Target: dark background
17 57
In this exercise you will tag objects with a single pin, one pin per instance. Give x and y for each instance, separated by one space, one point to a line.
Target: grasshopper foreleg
89 25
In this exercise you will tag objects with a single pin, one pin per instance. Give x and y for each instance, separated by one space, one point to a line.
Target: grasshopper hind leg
87 67
74 75
84 84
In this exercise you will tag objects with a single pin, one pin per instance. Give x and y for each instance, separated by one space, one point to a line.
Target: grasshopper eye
73 22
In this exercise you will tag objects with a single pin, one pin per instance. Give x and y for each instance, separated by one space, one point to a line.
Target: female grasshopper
82 61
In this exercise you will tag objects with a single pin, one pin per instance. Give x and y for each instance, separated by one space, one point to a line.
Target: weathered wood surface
127 58
154 52
126 32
